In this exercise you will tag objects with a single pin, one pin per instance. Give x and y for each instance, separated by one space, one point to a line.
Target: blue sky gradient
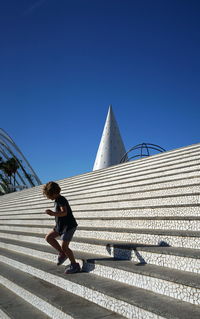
63 62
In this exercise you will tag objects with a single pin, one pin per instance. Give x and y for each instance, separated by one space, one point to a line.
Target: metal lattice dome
141 150
25 175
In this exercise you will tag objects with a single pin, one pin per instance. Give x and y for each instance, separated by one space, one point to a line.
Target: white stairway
138 242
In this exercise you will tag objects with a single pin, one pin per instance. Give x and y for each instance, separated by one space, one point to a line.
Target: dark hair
51 188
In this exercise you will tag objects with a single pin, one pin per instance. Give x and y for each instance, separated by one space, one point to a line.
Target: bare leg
50 238
68 251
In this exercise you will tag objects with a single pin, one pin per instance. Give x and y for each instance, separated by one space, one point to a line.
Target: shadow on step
120 252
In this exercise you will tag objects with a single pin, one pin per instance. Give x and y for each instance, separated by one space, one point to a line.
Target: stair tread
102 209
161 185
164 273
188 233
131 190
121 218
141 298
178 251
56 296
181 233
13 306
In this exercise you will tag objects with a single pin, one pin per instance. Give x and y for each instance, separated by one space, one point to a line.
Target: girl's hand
49 212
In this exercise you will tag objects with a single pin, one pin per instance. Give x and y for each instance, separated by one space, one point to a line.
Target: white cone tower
111 148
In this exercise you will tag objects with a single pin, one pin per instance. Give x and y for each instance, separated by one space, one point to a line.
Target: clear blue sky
62 62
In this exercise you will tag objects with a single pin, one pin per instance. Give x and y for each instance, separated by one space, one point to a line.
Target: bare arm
61 213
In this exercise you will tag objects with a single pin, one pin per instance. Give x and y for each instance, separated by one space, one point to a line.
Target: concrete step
186 151
141 178
128 182
183 259
141 173
51 299
174 238
3 315
136 187
166 223
151 277
12 306
181 186
130 195
124 201
145 213
131 302
131 187
168 159
159 159
190 151
162 201
181 164
156 211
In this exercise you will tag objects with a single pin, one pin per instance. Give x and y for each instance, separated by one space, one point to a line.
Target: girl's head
51 190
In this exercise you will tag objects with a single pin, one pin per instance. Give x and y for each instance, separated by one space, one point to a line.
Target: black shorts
67 235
